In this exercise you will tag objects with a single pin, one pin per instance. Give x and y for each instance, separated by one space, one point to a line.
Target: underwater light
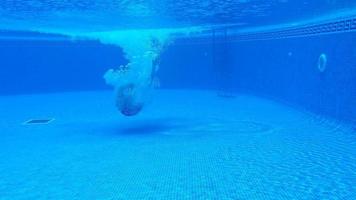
322 62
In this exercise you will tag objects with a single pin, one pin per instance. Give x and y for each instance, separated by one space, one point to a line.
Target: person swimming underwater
127 101
131 94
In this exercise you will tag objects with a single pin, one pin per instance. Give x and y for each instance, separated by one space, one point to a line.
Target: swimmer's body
126 102
130 97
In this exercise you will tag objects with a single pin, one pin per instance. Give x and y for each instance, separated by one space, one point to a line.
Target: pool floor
184 145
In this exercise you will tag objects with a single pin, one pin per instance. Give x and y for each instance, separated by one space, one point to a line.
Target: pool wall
288 70
281 69
55 66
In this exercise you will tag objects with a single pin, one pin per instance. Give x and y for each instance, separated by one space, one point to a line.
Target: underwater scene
177 99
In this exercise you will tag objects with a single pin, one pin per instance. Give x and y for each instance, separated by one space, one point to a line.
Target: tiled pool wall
284 69
287 69
54 66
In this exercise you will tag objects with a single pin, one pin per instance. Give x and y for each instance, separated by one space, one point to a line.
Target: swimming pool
177 99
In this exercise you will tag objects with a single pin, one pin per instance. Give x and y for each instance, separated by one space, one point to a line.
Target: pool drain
38 121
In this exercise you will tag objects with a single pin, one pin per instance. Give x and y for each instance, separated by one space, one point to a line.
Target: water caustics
109 15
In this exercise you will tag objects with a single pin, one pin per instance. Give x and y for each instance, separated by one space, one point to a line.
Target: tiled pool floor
184 145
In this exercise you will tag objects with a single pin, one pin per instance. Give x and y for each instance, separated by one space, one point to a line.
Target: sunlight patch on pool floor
184 145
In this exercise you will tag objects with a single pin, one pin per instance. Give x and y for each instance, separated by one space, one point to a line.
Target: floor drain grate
38 121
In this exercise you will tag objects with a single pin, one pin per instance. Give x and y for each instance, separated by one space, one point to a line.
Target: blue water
213 115
119 14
